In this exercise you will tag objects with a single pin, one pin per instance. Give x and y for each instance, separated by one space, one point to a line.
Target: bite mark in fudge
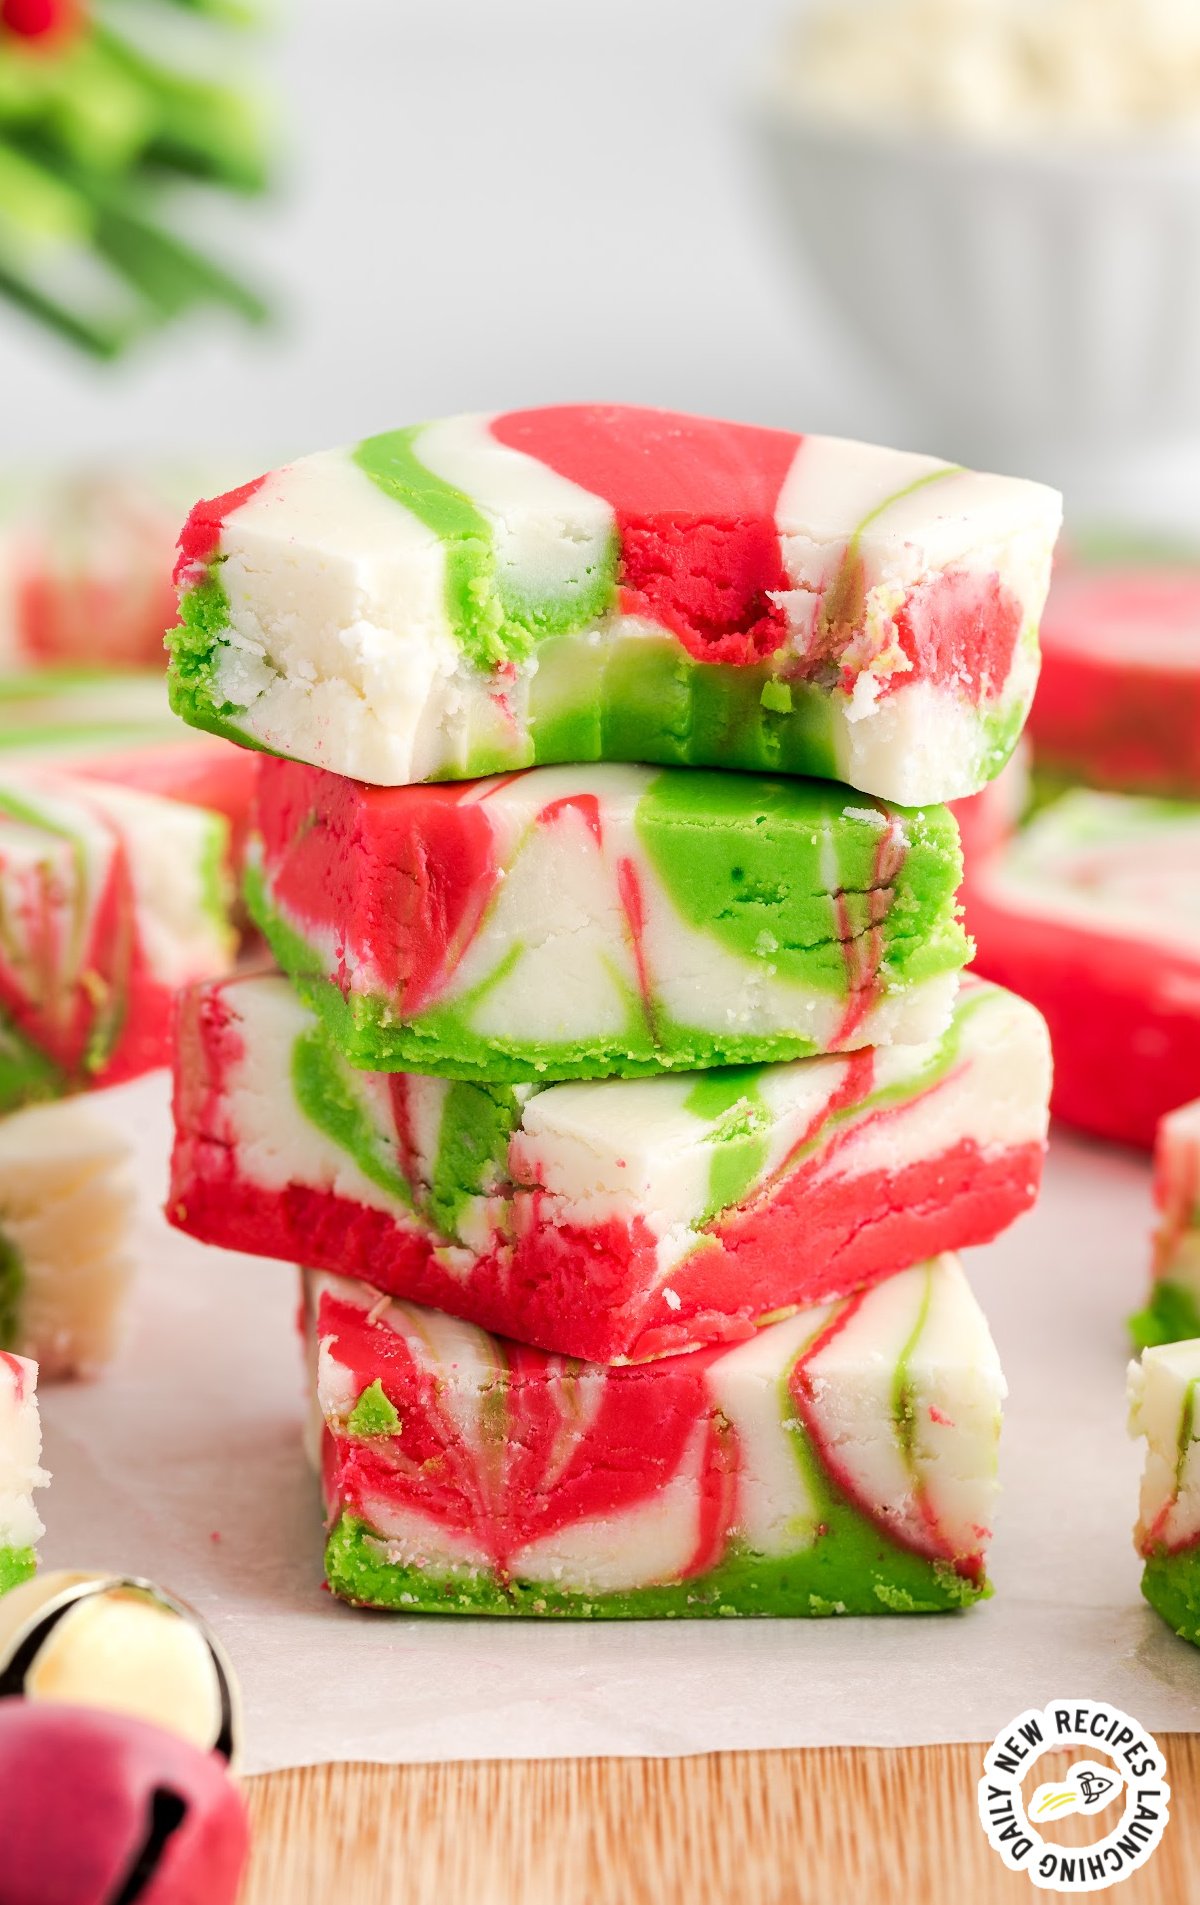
591 582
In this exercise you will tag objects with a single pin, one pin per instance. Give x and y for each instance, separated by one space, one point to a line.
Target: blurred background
491 203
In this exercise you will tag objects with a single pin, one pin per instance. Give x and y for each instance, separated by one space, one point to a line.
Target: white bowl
1036 298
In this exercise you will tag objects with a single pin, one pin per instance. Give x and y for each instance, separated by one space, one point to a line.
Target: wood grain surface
828 1826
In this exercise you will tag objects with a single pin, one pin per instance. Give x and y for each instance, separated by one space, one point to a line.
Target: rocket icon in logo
1093 1786
1086 1788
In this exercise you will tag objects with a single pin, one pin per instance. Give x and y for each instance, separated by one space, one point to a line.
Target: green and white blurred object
106 109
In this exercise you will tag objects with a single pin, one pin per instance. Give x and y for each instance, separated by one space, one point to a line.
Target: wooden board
801 1828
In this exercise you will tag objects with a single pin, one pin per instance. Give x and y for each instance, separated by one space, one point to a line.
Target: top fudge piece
591 582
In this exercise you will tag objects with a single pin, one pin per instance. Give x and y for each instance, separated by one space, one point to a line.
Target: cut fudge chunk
1118 704
612 1220
574 921
119 727
110 899
1163 1409
595 582
841 1462
70 712
85 565
1173 1310
66 1207
20 1470
1093 913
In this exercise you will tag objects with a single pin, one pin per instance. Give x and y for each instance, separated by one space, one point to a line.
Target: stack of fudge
619 1090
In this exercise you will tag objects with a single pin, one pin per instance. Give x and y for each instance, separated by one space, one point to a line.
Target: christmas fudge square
840 1462
593 582
110 899
1173 1310
1093 913
1163 1390
613 1220
118 727
66 1217
1118 702
572 922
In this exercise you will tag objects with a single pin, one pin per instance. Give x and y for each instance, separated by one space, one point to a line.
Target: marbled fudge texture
576 921
592 582
1173 1309
85 555
109 900
840 1462
1118 703
616 1219
1163 1410
113 725
1093 913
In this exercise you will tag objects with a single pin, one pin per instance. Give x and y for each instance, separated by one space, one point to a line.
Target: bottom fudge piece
840 1462
66 1205
20 1470
617 1219
1093 914
1163 1408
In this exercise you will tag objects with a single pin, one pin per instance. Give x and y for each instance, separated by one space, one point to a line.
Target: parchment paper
183 1462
